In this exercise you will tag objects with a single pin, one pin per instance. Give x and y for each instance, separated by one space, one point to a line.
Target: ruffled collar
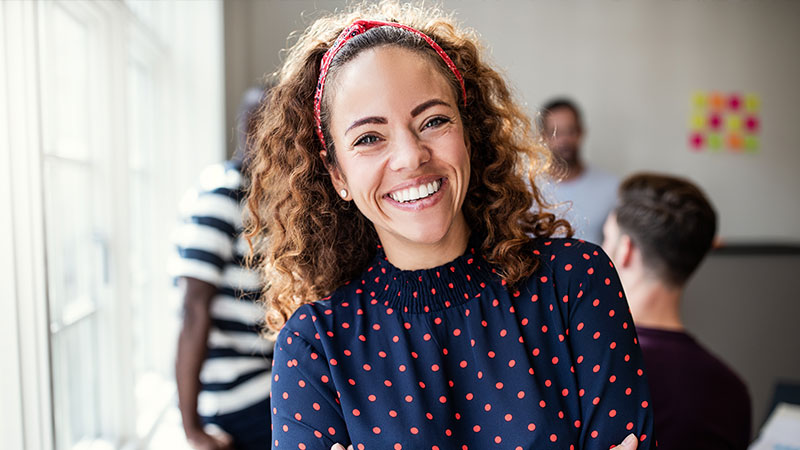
426 290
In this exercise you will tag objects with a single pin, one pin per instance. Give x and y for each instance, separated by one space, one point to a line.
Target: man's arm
197 296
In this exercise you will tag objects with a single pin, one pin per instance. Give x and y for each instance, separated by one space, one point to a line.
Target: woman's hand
630 443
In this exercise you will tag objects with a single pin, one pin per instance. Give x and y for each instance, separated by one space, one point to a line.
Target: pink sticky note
734 102
714 121
697 141
751 124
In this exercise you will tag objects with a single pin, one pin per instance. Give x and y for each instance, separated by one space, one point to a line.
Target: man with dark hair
659 232
588 192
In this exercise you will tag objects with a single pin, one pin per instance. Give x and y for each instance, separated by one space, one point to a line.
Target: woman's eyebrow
366 120
423 106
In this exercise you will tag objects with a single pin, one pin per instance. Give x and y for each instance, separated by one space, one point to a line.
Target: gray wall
745 309
739 306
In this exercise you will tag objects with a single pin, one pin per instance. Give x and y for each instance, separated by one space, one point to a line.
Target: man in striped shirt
223 364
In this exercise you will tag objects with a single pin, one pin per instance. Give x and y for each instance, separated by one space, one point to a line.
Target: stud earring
343 193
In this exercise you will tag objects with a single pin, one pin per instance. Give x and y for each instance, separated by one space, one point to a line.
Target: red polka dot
331 431
414 430
392 413
644 404
356 412
476 428
376 430
553 438
508 417
612 413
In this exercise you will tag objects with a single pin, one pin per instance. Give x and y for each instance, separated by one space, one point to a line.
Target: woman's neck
408 255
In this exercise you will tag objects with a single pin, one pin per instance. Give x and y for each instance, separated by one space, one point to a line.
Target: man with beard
586 193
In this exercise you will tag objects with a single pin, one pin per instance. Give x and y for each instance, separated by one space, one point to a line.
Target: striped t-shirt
211 248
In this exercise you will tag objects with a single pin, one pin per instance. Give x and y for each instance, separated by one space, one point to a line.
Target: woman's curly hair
308 241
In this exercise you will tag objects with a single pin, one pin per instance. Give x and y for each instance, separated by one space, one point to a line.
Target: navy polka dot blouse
451 358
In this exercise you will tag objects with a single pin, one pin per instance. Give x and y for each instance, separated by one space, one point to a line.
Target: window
116 106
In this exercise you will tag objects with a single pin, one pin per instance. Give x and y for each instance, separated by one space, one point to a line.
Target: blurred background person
657 235
587 192
223 363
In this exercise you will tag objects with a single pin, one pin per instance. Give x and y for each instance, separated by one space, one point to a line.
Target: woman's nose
409 152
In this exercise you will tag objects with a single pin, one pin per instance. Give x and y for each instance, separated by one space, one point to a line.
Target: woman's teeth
417 192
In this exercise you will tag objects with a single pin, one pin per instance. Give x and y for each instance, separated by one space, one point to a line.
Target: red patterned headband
360 27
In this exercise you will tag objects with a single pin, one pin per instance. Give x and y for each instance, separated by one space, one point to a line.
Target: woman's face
401 154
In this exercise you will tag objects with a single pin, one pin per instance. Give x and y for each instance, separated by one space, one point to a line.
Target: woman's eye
366 140
435 122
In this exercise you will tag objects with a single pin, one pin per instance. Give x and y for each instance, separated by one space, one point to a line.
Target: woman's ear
337 178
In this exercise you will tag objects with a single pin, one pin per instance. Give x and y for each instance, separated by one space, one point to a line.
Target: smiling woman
393 181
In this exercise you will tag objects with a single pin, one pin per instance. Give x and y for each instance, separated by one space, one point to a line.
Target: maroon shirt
699 403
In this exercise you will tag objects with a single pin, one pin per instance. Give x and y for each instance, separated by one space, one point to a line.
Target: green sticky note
751 144
733 123
714 141
752 103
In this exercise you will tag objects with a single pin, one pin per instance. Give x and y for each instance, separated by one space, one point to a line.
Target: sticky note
733 123
752 103
714 141
697 141
751 144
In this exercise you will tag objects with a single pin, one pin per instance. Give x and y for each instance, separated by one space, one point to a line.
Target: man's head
663 224
563 129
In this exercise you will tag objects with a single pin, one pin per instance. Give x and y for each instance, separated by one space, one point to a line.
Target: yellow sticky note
697 121
752 103
699 100
733 123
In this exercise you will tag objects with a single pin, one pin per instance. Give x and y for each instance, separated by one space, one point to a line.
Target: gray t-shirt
585 201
